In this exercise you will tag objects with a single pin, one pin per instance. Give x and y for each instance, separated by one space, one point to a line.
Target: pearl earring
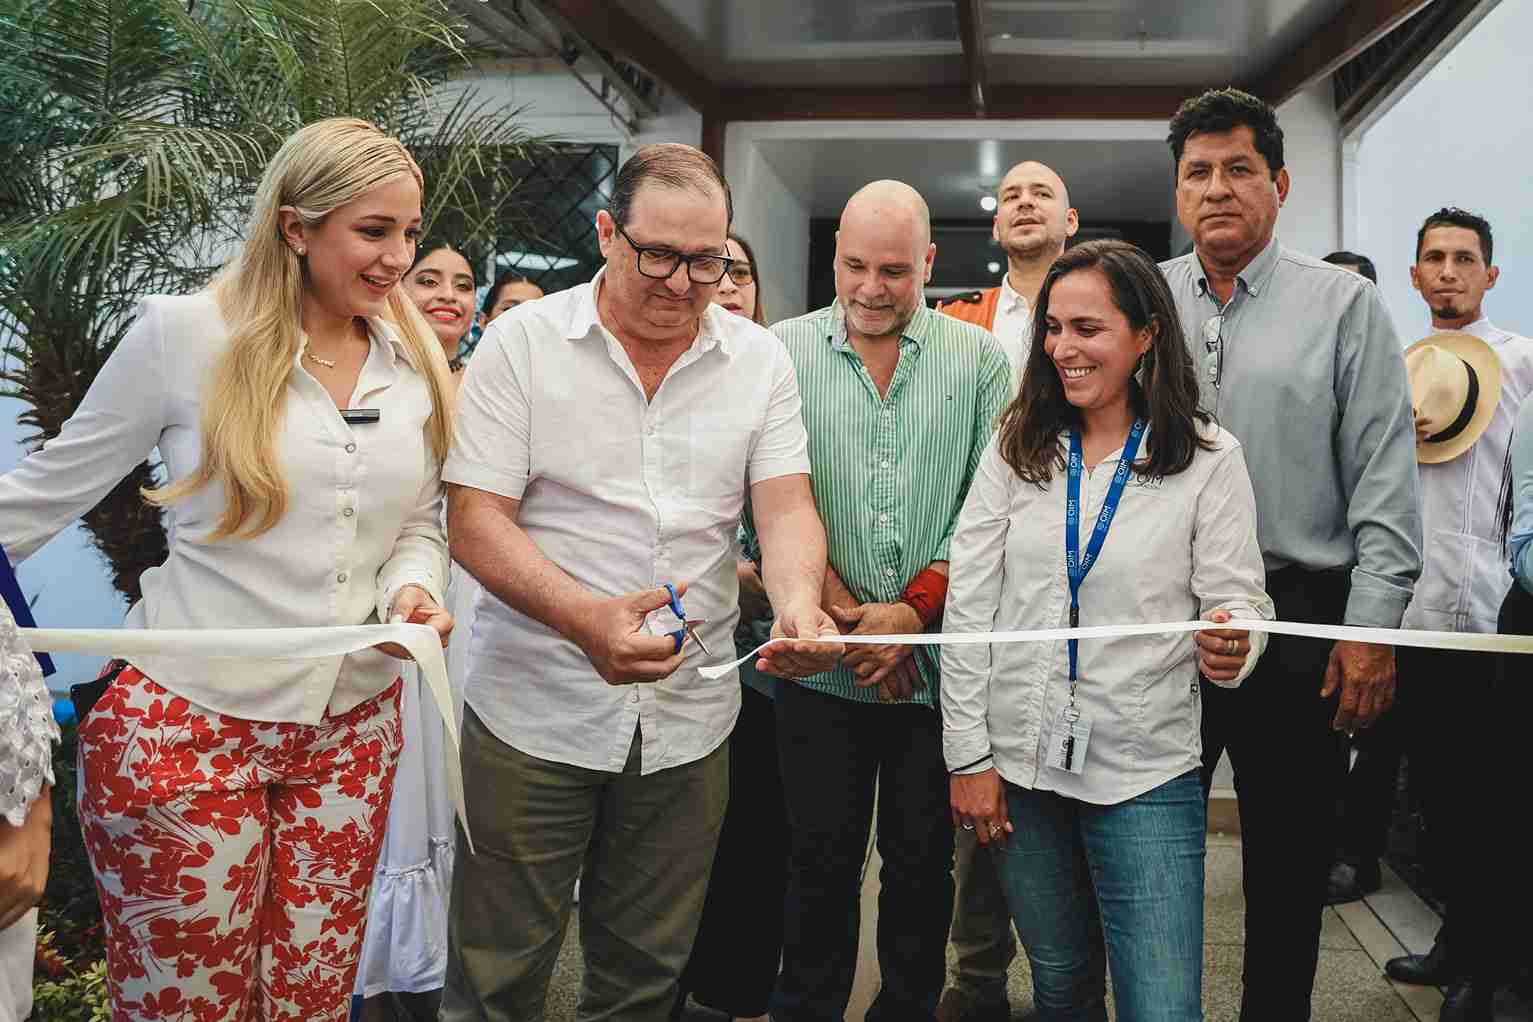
301 250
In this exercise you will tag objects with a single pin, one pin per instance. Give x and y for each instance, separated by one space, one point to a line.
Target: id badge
1068 742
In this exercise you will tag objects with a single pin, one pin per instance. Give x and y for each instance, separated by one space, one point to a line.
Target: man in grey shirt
1301 363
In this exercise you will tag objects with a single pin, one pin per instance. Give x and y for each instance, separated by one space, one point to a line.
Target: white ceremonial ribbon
1476 642
423 643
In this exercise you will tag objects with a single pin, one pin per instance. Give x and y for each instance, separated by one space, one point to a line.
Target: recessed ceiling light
993 267
987 203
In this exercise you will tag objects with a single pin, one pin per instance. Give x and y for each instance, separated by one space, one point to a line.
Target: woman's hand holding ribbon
413 605
1222 652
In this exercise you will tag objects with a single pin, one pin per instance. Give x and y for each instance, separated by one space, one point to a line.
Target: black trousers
739 941
1368 801
1495 897
1287 759
832 752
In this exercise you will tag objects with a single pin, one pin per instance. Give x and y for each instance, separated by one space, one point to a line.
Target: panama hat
1455 388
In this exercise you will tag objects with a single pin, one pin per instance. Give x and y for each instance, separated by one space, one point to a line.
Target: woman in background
739 940
404 950
509 290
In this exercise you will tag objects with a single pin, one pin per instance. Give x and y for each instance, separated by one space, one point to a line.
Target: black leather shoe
1433 969
1468 1002
1350 883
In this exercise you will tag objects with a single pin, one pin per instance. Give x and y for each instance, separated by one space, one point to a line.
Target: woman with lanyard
233 809
404 951
1106 497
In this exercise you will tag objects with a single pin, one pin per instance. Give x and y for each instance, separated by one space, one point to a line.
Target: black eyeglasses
660 263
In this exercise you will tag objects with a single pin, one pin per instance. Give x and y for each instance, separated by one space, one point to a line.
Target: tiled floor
1349 987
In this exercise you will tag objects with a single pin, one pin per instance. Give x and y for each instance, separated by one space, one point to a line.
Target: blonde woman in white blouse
233 809
1088 790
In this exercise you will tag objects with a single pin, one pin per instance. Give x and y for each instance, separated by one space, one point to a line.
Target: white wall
1462 137
1311 218
775 221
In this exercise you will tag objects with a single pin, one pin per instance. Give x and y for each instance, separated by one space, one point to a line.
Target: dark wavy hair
1163 389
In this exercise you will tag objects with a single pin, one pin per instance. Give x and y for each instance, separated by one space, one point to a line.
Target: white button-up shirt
363 517
1013 327
1463 575
1179 548
624 495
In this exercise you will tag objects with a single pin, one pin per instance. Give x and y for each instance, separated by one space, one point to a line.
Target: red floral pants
233 857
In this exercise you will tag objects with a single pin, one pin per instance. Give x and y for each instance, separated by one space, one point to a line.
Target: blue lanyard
1077 566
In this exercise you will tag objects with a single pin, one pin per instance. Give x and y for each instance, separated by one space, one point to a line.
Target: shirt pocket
709 453
1462 576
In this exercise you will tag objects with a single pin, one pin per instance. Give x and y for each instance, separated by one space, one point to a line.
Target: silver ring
968 826
1231 646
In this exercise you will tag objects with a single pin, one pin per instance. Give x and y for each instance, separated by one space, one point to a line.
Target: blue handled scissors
688 626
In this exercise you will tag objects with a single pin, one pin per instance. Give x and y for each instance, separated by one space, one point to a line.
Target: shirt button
343 576
351 448
883 519
349 512
889 572
884 463
634 698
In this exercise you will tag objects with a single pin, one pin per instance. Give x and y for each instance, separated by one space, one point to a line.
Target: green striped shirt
890 472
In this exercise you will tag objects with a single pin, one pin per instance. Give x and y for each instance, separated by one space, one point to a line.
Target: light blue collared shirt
1313 384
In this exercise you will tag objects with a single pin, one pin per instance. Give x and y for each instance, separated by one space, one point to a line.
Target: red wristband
926 594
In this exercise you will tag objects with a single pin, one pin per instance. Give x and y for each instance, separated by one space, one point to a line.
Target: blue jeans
1144 857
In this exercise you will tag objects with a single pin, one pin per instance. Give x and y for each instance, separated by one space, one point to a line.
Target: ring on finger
995 828
1231 646
968 826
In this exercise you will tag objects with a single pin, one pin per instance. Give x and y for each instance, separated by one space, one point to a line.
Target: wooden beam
609 26
1043 102
971 30
1357 26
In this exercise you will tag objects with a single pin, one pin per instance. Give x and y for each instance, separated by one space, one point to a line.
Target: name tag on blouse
360 416
1069 741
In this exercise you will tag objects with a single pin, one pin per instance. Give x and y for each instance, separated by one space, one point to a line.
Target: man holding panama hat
1467 382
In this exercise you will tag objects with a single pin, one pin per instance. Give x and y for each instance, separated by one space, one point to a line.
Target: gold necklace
327 363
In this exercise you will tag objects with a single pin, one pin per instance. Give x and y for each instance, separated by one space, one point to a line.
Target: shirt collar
1485 330
1254 277
915 330
713 330
1009 296
392 344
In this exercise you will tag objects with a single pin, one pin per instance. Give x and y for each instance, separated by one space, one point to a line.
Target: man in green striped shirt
899 402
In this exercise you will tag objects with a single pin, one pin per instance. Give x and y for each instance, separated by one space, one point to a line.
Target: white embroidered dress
27 734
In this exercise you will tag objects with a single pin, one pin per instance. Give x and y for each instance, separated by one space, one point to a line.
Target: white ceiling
1135 184
1054 42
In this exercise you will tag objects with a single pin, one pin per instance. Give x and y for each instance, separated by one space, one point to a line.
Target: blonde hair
323 166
